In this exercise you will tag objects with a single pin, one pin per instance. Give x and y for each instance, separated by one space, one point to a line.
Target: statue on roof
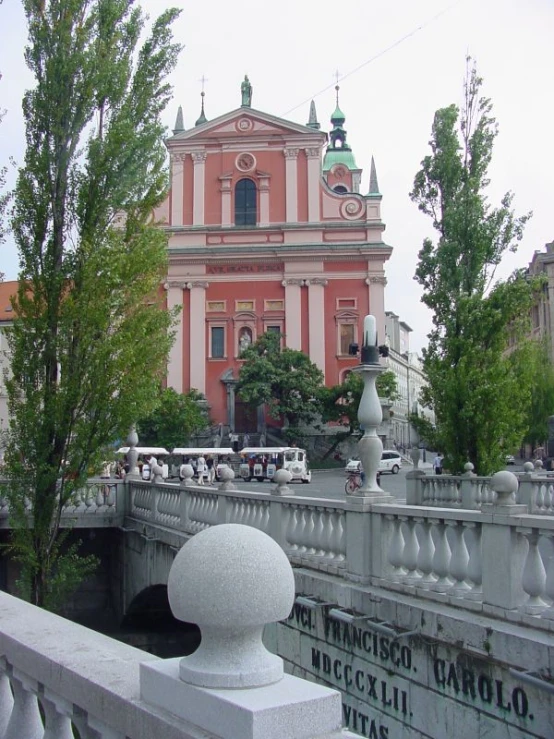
246 92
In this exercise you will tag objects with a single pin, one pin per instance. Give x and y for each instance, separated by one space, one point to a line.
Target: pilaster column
199 159
314 176
376 296
316 321
175 365
177 168
225 190
263 189
293 313
291 177
197 356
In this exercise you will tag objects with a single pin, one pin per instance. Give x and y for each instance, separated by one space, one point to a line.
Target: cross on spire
337 77
202 118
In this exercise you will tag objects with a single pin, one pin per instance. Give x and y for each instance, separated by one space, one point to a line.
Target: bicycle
353 482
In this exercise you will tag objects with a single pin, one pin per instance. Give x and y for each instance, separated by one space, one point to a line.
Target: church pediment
249 123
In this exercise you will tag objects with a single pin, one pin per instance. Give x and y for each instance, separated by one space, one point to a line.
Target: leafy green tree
340 403
90 337
476 387
285 380
541 405
176 418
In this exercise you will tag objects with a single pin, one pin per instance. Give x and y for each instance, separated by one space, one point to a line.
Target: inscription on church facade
229 269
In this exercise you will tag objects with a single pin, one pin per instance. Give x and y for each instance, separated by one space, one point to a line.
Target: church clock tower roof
338 151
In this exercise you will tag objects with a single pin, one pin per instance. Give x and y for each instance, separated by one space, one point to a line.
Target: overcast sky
291 50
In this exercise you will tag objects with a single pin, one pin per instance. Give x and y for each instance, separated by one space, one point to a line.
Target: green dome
338 117
339 156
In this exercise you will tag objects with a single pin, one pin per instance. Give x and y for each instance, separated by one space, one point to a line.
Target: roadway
330 483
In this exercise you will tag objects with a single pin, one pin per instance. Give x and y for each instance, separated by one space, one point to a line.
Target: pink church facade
267 232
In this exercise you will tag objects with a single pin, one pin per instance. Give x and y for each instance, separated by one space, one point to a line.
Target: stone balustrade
59 680
471 492
495 558
99 503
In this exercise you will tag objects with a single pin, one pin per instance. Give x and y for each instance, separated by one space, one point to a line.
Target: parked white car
391 461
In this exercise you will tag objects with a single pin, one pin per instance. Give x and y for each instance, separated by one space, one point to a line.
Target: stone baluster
112 496
534 573
25 720
503 549
291 528
326 518
549 584
411 551
341 537
101 495
57 717
396 550
309 531
441 559
425 554
6 697
474 566
319 532
301 530
459 560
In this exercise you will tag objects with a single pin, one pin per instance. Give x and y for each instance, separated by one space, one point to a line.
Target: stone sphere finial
282 478
231 580
468 469
505 485
528 467
538 464
227 475
188 473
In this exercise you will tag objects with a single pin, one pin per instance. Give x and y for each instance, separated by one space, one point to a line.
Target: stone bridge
434 617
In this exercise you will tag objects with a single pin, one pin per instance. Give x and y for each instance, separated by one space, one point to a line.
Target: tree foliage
90 337
541 405
476 386
284 380
341 402
177 417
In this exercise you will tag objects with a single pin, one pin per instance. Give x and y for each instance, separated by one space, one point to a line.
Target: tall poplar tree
477 387
90 337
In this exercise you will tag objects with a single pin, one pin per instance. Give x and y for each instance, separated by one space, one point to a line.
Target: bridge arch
150 625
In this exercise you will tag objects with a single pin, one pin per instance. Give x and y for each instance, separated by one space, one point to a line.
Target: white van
261 463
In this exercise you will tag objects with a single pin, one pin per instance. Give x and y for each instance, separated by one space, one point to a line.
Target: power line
376 56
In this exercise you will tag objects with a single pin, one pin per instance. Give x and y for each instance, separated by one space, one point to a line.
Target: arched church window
340 188
245 203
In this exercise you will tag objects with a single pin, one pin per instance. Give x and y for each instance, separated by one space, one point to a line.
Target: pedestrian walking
200 468
234 439
210 465
437 464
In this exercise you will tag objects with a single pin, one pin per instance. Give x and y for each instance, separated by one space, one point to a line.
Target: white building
410 379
